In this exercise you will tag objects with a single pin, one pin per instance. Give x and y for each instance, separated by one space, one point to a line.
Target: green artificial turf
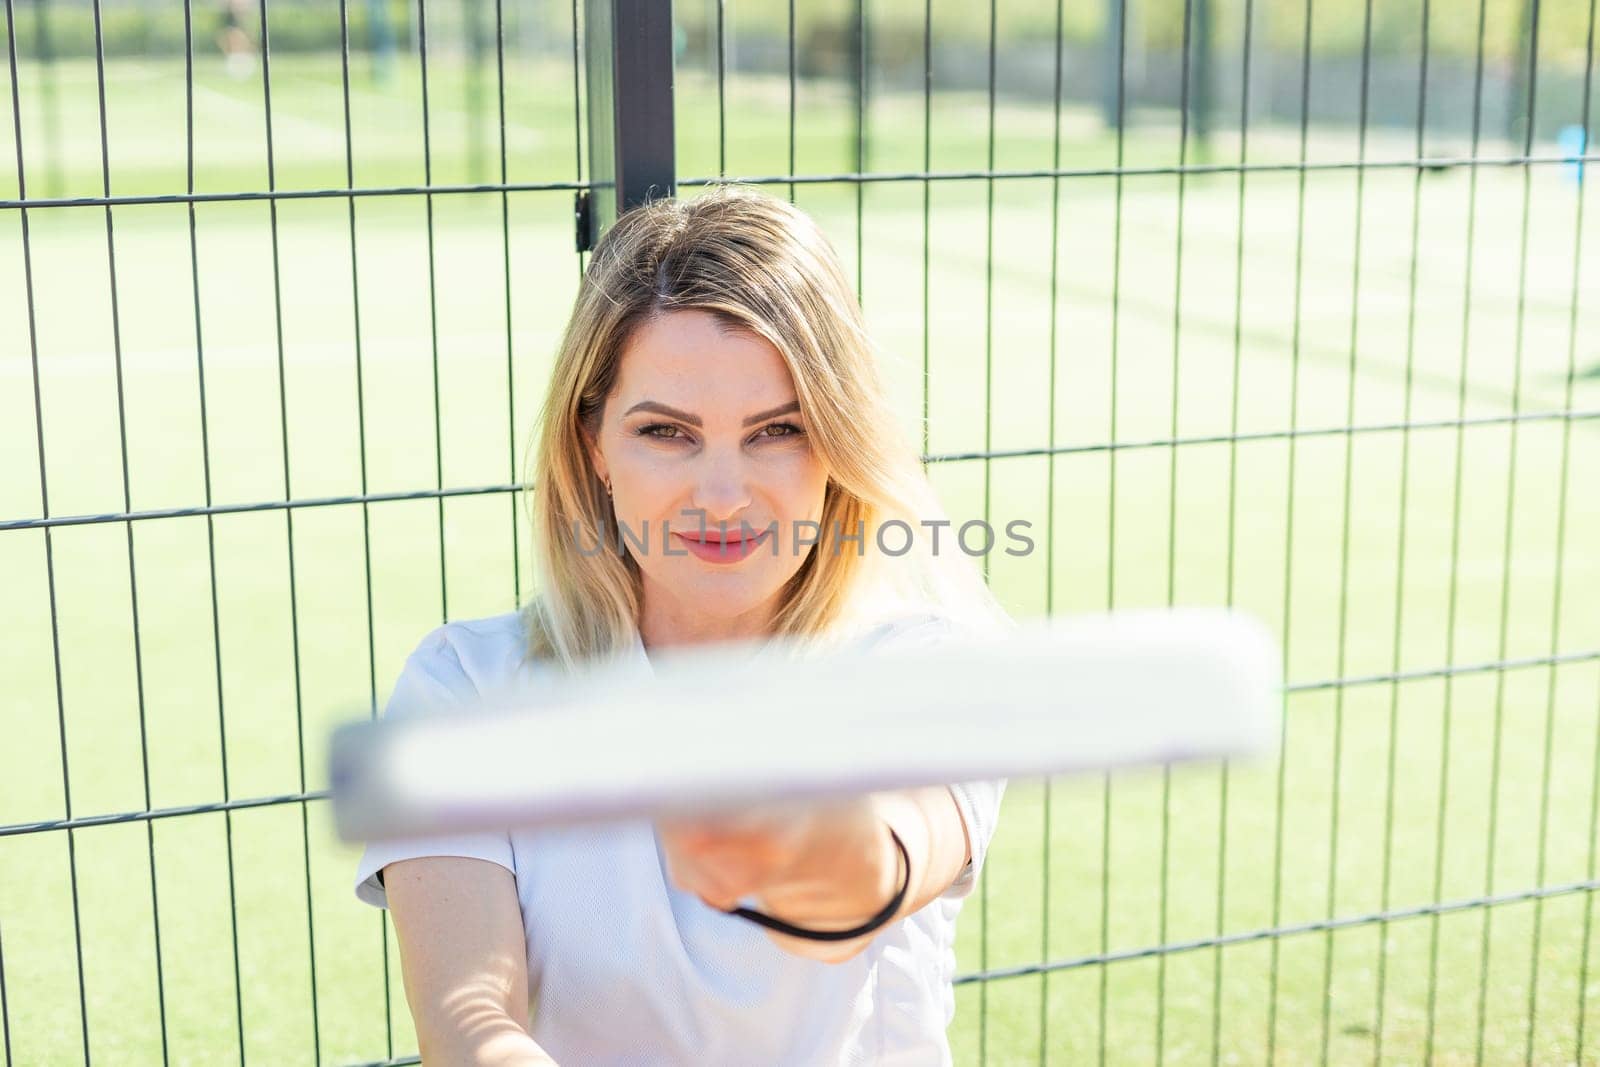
1304 531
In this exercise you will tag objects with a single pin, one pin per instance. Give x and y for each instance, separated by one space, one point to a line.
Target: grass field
1369 553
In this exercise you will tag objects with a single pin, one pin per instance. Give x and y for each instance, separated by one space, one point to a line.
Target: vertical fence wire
1453 597
1386 886
1121 7
288 514
860 58
1050 508
1346 507
127 504
722 88
927 220
513 501
1566 441
988 446
361 450
211 532
1563 482
433 305
205 449
1588 902
577 114
44 509
1172 513
5 1004
1223 770
793 78
1297 322
1509 534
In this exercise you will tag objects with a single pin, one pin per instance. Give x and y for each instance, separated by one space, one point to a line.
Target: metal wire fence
1268 303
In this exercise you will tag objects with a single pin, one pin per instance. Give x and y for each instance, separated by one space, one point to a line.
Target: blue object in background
1574 141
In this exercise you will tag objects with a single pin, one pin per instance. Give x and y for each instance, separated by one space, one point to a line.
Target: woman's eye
662 430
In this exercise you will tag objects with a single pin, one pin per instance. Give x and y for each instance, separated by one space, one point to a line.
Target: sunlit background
1167 280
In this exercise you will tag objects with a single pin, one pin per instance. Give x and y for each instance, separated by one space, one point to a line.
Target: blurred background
1275 304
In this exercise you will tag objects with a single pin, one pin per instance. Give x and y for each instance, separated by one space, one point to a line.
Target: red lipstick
714 549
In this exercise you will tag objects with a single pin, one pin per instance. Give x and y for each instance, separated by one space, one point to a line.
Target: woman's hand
826 866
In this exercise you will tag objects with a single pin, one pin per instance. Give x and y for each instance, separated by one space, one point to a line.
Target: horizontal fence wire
1442 163
1245 937
1142 952
281 195
943 457
1313 926
1293 689
1125 955
257 506
240 804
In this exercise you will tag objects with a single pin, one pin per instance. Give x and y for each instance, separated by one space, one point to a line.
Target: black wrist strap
763 919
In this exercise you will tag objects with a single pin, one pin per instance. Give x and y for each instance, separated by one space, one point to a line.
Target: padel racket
733 724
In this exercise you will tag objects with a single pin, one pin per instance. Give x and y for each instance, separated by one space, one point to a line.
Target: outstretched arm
464 961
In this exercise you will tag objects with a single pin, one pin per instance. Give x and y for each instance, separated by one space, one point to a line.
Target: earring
608 487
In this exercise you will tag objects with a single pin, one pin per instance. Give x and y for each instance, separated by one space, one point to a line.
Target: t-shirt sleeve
979 805
978 802
431 681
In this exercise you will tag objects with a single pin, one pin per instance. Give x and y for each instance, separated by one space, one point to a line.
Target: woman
716 458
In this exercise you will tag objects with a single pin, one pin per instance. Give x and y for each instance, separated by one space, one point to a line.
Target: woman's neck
664 624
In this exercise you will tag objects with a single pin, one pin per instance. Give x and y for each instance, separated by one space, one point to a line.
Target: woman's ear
597 459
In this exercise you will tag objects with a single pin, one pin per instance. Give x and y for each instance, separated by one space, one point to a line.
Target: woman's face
702 431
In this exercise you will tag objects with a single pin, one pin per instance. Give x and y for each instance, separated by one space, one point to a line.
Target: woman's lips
713 550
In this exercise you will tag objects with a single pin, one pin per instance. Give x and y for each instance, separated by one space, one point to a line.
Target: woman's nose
721 487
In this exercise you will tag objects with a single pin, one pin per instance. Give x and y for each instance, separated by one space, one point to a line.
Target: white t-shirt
626 968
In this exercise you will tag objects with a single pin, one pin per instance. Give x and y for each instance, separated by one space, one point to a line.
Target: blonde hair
759 264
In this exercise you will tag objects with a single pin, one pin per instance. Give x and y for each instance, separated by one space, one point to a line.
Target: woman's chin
726 592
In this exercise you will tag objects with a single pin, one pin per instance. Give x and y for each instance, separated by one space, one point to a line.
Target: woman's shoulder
472 657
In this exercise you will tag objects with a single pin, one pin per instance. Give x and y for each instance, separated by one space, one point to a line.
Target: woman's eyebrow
791 408
663 409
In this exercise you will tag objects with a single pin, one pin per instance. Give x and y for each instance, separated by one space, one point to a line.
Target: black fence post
628 56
